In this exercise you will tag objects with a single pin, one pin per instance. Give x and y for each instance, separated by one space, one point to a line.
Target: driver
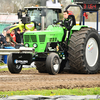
67 25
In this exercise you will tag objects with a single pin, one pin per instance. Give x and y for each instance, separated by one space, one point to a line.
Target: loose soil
31 79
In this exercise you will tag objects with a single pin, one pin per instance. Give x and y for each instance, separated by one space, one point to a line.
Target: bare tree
12 6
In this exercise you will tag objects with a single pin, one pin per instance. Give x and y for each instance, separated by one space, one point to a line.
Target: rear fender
76 28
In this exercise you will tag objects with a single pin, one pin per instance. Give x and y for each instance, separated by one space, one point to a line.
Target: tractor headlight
35 45
26 45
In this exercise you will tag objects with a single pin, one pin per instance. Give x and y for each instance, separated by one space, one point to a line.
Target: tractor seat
73 18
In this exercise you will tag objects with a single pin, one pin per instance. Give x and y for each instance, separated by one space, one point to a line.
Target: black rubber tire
49 63
12 67
77 49
41 66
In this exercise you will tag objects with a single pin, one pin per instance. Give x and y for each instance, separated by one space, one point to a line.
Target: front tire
84 51
13 68
53 63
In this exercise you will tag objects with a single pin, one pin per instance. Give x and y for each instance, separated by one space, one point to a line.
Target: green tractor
80 52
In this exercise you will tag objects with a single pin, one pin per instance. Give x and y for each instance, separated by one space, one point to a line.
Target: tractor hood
40 39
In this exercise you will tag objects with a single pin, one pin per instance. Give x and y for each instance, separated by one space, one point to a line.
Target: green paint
77 27
72 1
52 34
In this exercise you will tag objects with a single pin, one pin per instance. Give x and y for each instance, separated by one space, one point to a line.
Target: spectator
21 35
18 36
9 39
8 31
24 30
19 40
12 34
3 38
2 43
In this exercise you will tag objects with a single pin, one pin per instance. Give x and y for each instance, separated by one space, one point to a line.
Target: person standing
12 34
19 39
9 39
3 38
18 36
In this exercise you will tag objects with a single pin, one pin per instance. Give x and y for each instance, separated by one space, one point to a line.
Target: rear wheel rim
55 64
92 52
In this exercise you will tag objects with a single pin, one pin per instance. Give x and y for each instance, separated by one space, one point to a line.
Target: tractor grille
26 38
33 38
30 38
42 38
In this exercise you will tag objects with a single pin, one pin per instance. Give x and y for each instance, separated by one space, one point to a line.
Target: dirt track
31 79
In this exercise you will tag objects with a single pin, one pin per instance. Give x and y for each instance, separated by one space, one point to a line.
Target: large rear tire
41 66
84 51
53 63
13 68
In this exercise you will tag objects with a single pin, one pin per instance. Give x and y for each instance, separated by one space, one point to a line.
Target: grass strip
2 64
6 69
77 91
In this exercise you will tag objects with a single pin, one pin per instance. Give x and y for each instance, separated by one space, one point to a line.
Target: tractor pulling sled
80 53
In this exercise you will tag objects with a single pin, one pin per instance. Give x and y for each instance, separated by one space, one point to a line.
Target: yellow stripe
66 36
